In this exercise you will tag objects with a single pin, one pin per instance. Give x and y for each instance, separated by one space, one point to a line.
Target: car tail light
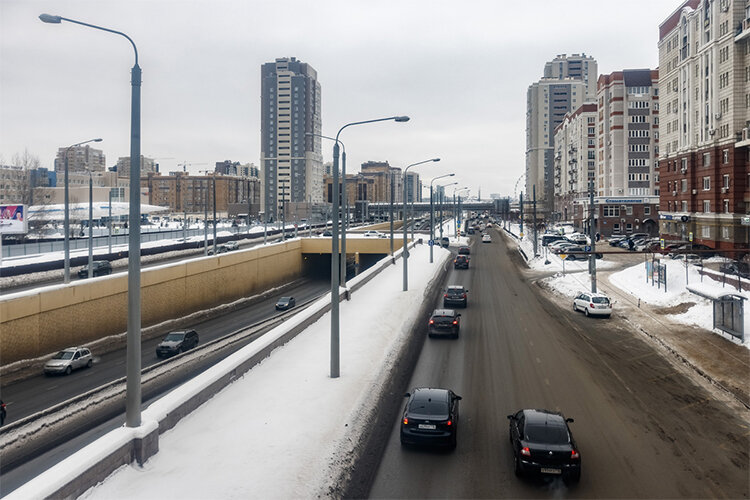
455 321
464 295
432 321
449 423
526 451
574 455
406 421
591 305
445 295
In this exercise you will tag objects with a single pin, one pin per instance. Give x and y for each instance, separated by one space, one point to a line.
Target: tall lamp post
405 251
66 215
133 363
432 213
335 272
91 224
456 210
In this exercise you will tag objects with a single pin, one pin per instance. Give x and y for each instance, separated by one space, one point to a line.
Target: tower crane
186 164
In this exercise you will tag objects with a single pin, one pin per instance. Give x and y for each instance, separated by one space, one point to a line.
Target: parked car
100 268
736 267
445 242
486 238
577 238
444 322
543 444
593 304
690 257
177 342
561 246
578 256
68 360
231 245
430 417
327 233
464 251
549 238
615 240
285 303
455 295
461 262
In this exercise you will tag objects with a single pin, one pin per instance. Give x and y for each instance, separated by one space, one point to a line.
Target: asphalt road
644 427
34 394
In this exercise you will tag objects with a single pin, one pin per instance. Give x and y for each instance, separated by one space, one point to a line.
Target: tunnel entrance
318 266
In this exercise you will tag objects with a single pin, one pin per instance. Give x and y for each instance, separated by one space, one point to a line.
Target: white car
67 360
374 234
486 238
593 304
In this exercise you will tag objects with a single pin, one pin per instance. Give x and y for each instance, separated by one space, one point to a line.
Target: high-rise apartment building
147 165
575 66
547 102
574 160
704 63
80 159
413 187
291 161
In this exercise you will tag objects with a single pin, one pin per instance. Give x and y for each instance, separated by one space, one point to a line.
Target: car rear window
600 300
174 336
550 434
429 407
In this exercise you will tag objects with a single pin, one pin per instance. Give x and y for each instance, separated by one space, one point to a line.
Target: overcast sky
459 69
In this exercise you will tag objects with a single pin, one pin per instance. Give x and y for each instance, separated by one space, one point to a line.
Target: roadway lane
645 429
29 396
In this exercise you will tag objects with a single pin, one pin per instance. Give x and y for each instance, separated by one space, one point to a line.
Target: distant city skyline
460 78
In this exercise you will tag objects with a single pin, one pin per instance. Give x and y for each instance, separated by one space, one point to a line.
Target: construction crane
185 164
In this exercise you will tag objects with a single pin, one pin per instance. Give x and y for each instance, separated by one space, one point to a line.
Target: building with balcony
704 173
80 159
291 160
148 165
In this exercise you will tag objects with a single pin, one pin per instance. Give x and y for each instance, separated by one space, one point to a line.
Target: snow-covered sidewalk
280 430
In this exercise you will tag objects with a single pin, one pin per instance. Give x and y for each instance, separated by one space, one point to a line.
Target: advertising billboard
13 219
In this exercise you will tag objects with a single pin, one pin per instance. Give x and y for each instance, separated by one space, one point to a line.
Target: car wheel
90 364
517 467
608 315
586 311
575 308
68 371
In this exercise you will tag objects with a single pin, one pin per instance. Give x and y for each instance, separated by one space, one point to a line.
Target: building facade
547 102
291 160
148 165
413 187
182 192
81 159
574 160
575 66
704 173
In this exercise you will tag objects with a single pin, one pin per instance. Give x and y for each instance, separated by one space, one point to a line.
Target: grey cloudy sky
459 69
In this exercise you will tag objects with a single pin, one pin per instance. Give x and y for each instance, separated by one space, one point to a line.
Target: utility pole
592 236
533 199
520 205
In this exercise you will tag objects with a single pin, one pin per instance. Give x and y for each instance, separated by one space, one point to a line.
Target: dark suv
99 268
177 342
455 295
444 322
461 262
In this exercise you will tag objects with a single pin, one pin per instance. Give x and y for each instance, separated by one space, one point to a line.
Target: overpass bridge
496 206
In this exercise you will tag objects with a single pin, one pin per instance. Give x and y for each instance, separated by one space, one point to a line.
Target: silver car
68 360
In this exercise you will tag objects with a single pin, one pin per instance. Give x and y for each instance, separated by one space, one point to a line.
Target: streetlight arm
329 138
47 18
395 118
420 162
440 177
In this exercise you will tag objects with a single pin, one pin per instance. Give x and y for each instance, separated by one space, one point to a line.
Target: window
646 210
706 159
725 183
707 183
706 206
629 227
726 206
684 206
611 211
706 232
683 185
629 210
725 156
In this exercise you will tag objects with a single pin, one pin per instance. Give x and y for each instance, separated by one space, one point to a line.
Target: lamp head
401 118
98 140
48 18
451 175
436 159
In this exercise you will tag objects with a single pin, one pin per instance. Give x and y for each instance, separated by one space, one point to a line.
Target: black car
2 412
578 256
327 233
444 322
455 295
285 303
177 342
543 445
470 230
99 268
461 262
430 417
737 268
464 251
549 238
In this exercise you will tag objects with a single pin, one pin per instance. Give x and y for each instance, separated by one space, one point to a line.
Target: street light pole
335 271
390 207
66 215
91 225
432 213
133 395
205 218
213 183
405 250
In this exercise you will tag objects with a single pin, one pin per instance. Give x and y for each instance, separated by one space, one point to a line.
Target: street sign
690 236
588 248
563 256
745 221
661 243
430 242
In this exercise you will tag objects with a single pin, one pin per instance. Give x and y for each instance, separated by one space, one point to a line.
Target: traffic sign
563 256
430 242
690 236
588 248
